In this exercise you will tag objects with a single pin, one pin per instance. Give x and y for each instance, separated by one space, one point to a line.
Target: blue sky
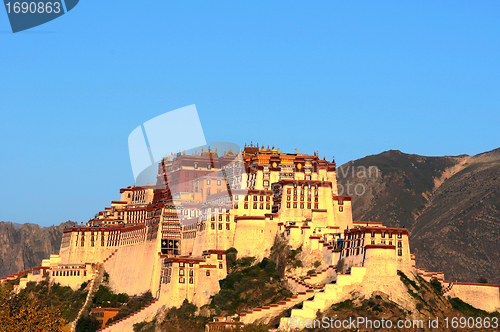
347 79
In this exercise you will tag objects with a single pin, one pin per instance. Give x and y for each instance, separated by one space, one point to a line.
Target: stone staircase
314 281
447 290
332 293
305 289
126 324
267 312
91 289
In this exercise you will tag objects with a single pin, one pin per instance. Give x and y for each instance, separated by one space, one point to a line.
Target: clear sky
347 79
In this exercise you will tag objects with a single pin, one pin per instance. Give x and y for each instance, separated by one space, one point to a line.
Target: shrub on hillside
436 285
482 280
105 298
248 287
231 256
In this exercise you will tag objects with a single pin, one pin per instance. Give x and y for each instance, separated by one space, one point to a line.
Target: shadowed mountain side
459 232
24 247
451 205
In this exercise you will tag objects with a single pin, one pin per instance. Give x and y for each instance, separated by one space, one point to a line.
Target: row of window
289 198
302 205
228 227
228 217
261 206
68 273
256 198
302 191
382 235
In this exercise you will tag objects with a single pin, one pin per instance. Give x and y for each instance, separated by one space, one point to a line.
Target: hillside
24 246
451 205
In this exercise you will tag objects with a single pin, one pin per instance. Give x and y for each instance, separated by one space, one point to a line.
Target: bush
311 272
83 285
231 256
317 264
105 298
87 323
482 280
436 285
249 287
419 306
409 282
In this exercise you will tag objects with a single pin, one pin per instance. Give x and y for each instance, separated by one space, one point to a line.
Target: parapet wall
482 296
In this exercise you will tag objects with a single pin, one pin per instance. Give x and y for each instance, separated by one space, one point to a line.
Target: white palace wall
482 296
135 269
254 236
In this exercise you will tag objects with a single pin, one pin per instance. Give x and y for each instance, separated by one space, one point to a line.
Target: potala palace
171 237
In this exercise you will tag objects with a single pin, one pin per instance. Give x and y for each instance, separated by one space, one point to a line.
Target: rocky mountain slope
451 205
24 246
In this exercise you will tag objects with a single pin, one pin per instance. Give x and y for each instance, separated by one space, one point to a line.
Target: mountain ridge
450 204
23 246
